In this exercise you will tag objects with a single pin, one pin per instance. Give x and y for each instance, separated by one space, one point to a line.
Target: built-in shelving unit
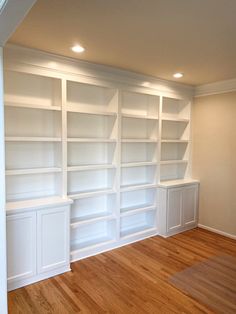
92 156
139 163
175 139
106 147
33 136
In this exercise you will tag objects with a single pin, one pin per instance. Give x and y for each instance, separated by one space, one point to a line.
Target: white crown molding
215 88
15 56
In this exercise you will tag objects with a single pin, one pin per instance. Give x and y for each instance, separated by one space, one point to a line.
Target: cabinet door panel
21 246
53 238
174 215
190 195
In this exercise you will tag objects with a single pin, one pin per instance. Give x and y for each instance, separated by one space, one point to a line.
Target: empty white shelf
76 222
139 164
126 211
93 112
32 139
92 140
91 193
174 141
75 246
136 230
37 203
31 106
175 183
32 171
132 187
136 116
90 167
173 119
167 162
138 140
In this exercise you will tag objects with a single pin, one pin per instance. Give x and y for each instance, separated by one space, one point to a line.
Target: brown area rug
211 282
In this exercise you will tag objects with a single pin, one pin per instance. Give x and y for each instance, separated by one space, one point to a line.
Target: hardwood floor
131 279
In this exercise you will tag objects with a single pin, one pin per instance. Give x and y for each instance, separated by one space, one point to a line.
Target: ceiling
153 37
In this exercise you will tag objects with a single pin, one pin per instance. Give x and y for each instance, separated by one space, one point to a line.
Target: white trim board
228 235
219 87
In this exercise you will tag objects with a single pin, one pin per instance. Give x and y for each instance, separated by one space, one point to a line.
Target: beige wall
214 159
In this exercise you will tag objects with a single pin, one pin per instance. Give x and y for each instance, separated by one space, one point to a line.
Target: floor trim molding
228 235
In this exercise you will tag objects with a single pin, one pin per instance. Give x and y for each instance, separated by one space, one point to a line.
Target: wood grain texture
131 279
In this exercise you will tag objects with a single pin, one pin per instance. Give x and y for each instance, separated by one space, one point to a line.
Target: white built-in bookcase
105 147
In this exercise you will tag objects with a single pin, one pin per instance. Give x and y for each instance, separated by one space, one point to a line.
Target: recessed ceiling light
77 48
178 75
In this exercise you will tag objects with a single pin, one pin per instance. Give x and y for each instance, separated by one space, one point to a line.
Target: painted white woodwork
178 208
101 137
53 239
21 246
189 206
37 240
137 222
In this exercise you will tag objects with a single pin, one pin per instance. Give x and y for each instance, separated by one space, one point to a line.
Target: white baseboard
228 235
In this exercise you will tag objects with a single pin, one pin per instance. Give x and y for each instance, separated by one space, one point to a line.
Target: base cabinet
37 245
52 239
178 209
21 246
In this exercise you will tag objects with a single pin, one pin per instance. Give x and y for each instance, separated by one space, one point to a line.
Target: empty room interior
118 156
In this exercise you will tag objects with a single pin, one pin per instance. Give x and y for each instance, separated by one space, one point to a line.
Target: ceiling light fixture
178 75
77 49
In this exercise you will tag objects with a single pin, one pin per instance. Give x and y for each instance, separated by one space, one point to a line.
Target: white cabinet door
174 209
190 196
21 246
52 238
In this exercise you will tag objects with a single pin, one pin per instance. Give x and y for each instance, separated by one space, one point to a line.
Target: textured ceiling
154 37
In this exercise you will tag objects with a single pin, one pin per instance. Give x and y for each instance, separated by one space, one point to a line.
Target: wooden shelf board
32 171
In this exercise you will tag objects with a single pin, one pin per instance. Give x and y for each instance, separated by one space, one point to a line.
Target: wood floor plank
136 279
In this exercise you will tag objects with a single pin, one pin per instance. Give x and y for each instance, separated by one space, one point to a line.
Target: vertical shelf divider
64 137
159 140
118 165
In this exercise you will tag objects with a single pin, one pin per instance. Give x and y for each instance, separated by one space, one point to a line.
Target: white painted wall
3 282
